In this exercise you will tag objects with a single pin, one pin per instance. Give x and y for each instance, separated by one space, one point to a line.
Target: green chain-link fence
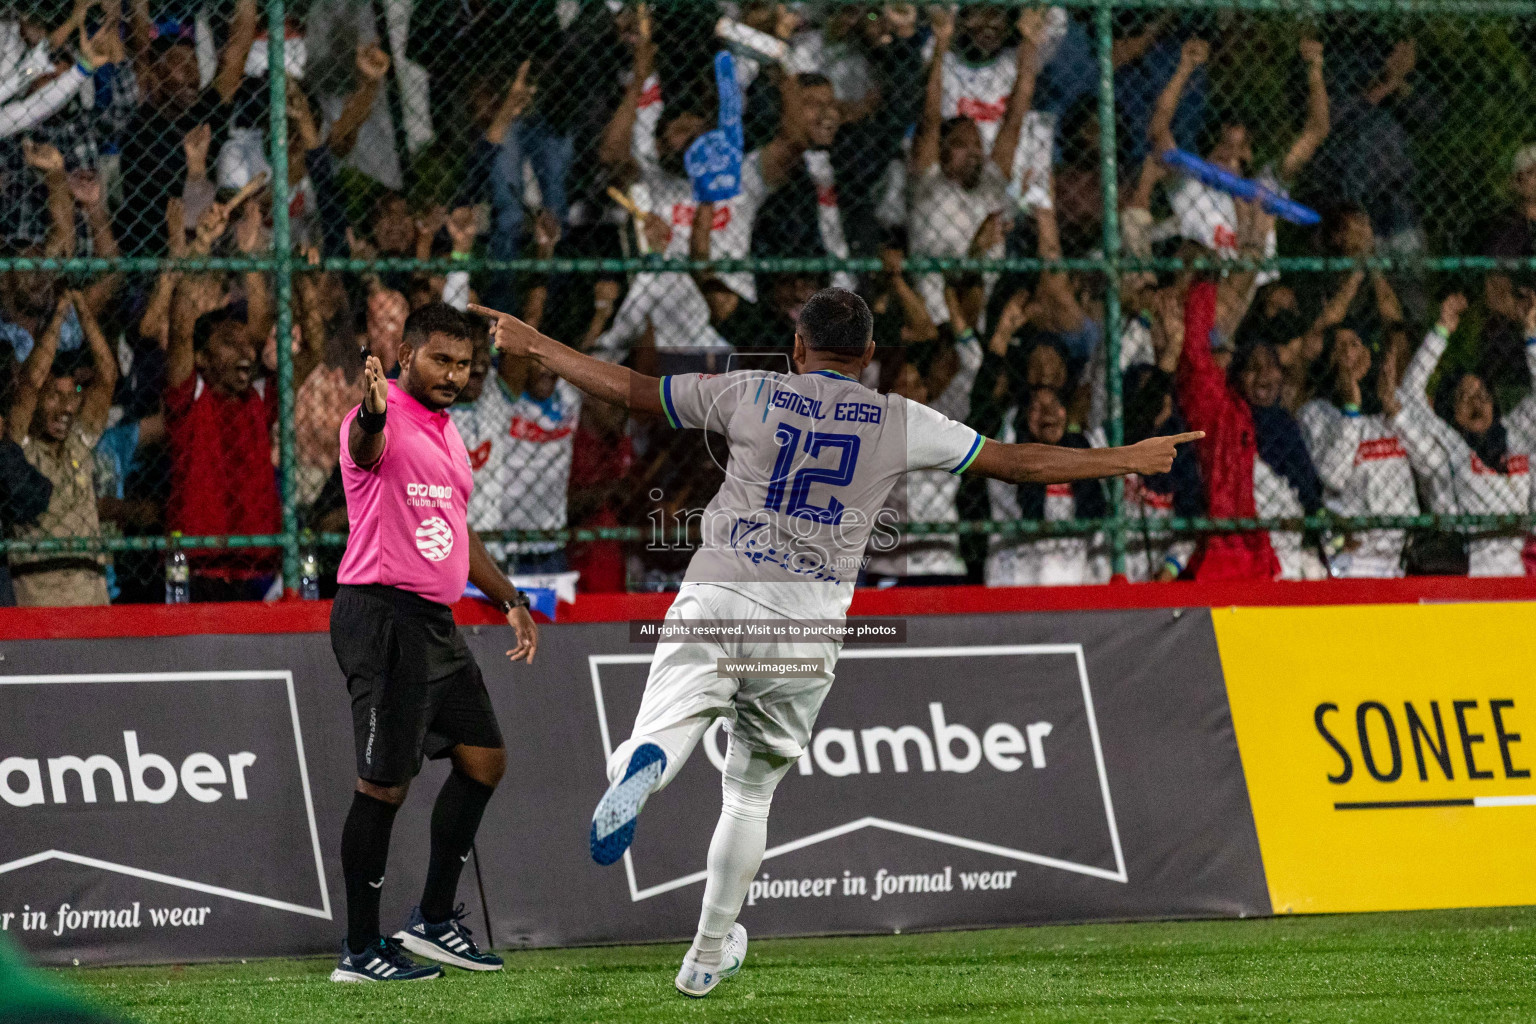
989 177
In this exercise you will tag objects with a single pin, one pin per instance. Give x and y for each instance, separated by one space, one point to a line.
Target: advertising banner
162 812
1085 768
1389 756
990 769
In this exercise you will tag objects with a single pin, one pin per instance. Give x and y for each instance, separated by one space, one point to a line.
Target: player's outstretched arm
1053 464
603 381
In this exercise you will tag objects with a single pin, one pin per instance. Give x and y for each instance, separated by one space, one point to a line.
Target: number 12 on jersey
790 440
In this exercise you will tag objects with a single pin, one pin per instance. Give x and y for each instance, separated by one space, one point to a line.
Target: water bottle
178 575
309 576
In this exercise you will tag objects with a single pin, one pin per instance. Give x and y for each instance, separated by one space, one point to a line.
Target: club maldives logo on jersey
429 495
434 539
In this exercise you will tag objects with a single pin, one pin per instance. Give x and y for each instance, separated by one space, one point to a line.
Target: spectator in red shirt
219 412
1227 457
1255 462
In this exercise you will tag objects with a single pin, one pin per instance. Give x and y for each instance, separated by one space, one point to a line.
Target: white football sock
736 852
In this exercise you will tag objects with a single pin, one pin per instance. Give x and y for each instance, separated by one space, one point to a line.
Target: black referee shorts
416 690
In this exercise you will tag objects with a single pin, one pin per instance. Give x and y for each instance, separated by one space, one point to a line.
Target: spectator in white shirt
876 65
1014 560
835 50
787 207
642 139
1461 450
1035 322
957 188
1359 457
1208 215
34 83
980 74
519 430
788 202
1151 552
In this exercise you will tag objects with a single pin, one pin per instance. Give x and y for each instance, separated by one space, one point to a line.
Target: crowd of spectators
146 404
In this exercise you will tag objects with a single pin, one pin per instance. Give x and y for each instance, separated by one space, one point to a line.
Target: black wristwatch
521 601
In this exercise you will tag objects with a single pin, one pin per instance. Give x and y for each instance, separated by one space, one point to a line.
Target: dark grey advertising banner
991 769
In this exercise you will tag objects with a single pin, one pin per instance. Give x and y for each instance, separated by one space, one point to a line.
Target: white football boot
696 981
613 823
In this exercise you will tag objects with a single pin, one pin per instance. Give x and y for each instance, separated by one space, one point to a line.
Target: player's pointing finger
487 311
1193 435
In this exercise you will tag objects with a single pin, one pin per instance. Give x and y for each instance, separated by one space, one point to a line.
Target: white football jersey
732 234
520 451
670 303
811 460
981 92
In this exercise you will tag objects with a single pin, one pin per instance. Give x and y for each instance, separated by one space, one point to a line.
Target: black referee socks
364 852
455 820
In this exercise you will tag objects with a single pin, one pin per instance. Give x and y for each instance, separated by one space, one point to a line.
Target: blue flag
714 159
1243 188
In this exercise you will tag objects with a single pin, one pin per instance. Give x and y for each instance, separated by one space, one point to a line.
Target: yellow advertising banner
1389 752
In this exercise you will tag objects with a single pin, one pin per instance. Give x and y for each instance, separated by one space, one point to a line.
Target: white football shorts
769 713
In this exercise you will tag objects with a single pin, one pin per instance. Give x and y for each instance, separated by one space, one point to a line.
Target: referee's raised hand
375 385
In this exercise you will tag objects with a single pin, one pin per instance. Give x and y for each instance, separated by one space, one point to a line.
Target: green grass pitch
1465 965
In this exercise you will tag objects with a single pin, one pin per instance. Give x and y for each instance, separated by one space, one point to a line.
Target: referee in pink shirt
416 690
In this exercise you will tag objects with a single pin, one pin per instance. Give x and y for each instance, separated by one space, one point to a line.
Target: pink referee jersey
407 510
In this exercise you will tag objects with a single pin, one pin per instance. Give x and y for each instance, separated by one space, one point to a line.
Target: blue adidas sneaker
383 961
448 942
613 823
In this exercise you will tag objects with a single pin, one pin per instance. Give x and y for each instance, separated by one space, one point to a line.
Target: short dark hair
836 320
1284 327
67 364
436 318
48 13
385 198
164 44
205 325
950 125
697 99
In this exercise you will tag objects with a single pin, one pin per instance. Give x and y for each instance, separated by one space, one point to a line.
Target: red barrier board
314 617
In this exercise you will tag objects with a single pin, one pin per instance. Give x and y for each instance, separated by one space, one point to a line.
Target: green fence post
1110 187
282 252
